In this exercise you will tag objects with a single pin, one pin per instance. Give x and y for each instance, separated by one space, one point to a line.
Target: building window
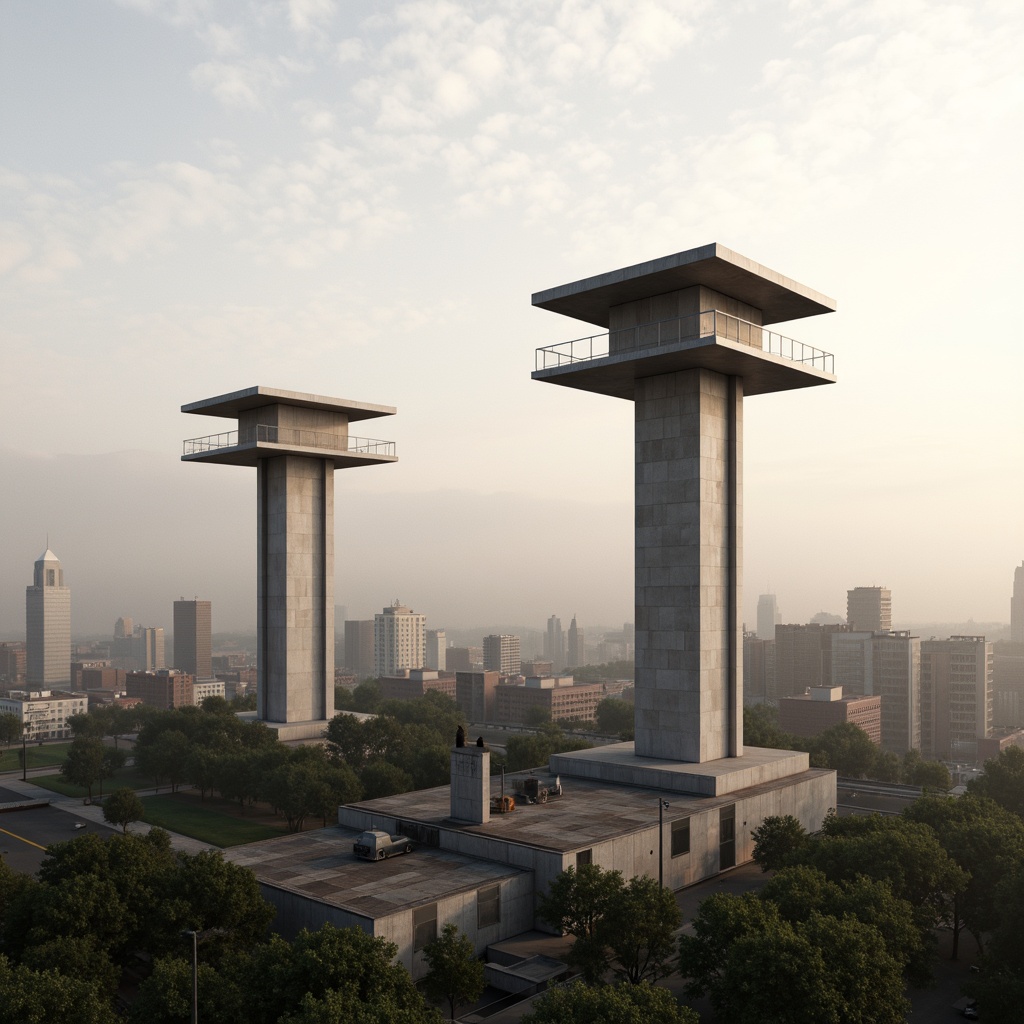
424 926
488 906
584 857
680 836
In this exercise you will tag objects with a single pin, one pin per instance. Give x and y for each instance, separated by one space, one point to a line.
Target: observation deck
273 422
704 308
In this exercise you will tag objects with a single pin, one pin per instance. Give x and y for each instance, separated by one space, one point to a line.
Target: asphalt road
24 835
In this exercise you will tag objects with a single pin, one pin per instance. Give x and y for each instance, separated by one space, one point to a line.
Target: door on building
727 837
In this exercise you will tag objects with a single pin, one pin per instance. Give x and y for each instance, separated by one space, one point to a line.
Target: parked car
375 845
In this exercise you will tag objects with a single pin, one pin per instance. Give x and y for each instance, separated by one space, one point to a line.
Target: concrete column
471 784
689 673
295 601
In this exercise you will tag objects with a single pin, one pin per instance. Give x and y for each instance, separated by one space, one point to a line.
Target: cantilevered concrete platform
618 763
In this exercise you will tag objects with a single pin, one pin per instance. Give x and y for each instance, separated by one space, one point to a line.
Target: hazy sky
358 199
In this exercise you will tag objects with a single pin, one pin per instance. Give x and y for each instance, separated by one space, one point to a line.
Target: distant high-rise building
870 609
886 664
437 646
359 647
1017 606
123 627
803 658
575 655
502 654
767 616
399 640
47 624
193 638
758 669
554 643
956 697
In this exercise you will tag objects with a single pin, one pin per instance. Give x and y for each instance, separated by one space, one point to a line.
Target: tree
455 974
10 728
761 728
758 967
1003 780
381 778
638 927
123 807
776 840
113 761
615 717
847 748
916 771
83 765
609 1004
40 997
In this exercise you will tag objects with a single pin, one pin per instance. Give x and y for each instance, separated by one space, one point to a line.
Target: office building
359 647
44 714
474 693
459 659
399 640
12 663
575 653
887 665
554 643
957 703
411 683
1017 606
203 688
167 689
124 627
557 698
768 616
803 658
193 638
1008 684
758 669
437 645
47 624
295 441
825 706
502 654
869 609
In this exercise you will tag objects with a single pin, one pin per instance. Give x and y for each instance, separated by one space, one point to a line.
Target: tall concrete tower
47 624
295 441
687 341
767 616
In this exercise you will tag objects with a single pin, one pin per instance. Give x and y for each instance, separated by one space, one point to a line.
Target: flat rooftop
778 297
589 812
321 864
230 405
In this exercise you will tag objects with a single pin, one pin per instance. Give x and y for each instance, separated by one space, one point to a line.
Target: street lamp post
24 756
662 805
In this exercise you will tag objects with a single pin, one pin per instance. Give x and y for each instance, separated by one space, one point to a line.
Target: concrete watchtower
295 441
686 340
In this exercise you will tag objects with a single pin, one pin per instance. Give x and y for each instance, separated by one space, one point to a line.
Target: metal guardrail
270 434
707 324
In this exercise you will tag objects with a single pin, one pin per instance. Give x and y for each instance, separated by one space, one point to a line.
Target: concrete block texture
688 566
295 584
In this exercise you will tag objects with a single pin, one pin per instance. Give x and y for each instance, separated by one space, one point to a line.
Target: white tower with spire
48 624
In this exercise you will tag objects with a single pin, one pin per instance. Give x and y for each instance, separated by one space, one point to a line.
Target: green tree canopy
455 976
777 841
83 766
123 807
609 1004
615 717
1003 780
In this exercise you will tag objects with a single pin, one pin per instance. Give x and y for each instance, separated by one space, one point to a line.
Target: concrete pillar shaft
689 690
295 582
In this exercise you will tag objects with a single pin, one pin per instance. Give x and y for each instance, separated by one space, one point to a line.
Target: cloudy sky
358 199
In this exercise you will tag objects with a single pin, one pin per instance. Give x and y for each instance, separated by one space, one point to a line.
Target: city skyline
319 195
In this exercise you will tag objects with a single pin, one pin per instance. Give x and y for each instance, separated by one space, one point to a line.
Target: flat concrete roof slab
615 375
777 296
591 810
251 452
321 864
230 405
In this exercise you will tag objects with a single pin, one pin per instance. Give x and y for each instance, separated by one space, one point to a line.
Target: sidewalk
94 812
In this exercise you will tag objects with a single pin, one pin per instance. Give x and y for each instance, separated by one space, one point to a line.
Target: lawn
38 756
122 777
216 821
